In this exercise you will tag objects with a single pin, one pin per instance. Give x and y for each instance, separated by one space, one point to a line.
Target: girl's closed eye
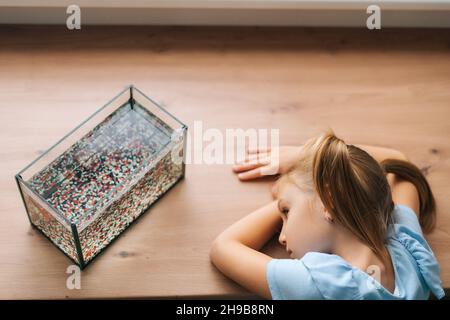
283 208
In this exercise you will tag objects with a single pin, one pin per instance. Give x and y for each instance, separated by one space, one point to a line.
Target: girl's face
306 224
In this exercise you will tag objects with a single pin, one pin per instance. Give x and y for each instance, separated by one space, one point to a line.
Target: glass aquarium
85 190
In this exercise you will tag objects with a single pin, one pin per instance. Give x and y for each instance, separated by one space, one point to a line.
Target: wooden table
389 88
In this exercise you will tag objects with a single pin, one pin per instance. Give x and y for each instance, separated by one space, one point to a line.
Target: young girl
351 219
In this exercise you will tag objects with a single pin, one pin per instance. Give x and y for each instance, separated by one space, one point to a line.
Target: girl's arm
235 251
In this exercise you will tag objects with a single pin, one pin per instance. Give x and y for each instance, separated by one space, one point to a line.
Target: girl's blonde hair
353 187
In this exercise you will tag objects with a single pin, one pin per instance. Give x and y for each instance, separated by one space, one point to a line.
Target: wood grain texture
388 88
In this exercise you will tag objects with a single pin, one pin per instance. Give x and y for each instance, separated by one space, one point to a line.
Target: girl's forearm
255 229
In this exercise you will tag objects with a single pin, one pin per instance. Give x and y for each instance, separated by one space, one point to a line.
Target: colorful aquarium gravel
103 182
124 211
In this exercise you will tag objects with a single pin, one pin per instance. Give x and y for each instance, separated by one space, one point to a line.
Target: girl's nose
282 239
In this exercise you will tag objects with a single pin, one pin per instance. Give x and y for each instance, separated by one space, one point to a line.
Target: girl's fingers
270 169
249 175
250 165
254 157
245 167
258 150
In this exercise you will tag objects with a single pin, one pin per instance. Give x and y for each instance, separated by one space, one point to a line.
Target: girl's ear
326 215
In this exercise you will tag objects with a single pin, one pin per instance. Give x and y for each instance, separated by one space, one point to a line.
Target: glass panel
44 218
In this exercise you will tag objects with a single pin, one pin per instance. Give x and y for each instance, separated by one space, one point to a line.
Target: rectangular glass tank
85 190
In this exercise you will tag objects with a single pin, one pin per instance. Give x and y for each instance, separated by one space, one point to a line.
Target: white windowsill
328 13
235 4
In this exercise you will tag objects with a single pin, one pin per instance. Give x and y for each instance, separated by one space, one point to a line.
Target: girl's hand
266 162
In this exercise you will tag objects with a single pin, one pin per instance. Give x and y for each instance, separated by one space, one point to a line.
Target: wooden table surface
388 88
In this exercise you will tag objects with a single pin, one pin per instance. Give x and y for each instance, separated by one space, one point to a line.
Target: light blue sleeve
409 233
289 279
405 216
316 276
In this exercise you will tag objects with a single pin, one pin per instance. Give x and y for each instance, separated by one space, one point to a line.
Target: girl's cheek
298 235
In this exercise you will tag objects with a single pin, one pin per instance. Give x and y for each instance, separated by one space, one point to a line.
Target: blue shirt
319 276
